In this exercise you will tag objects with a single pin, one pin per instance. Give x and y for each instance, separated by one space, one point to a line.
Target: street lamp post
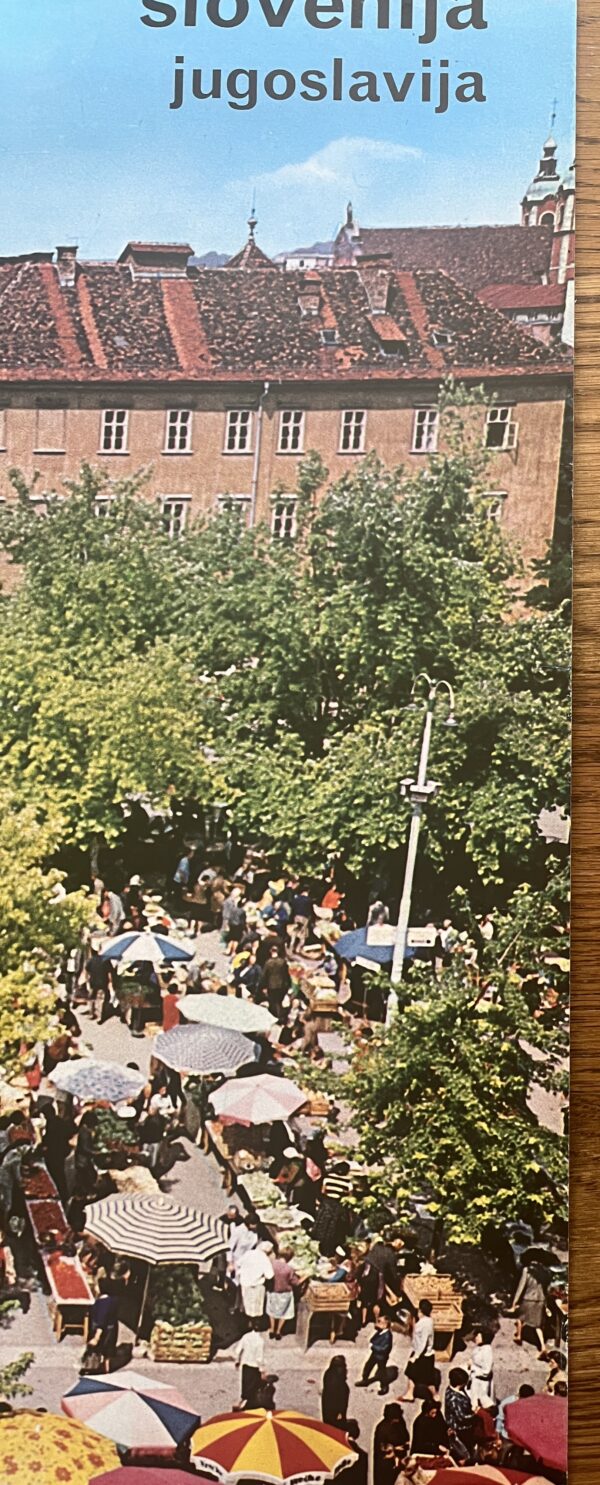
419 792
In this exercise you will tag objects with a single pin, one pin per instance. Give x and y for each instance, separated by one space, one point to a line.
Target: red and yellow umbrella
272 1447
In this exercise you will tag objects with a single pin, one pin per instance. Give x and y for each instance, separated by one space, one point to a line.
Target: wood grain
585 1152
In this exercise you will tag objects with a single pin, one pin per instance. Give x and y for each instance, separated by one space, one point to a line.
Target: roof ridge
407 282
92 333
61 313
184 323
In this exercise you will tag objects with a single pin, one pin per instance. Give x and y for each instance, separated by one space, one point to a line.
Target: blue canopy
352 946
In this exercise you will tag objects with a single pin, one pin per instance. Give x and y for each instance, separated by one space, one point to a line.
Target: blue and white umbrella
93 1081
205 1050
146 948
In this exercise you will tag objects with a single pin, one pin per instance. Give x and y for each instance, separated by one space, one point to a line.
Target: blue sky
93 154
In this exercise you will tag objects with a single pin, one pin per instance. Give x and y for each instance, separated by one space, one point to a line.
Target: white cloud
341 163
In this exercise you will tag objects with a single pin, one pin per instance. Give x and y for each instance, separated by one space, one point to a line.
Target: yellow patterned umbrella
45 1450
270 1447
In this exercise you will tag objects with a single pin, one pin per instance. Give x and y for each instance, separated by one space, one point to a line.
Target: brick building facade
220 379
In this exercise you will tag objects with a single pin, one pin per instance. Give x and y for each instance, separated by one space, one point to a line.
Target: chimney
376 274
66 262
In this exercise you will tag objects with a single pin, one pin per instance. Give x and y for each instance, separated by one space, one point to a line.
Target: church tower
562 265
540 202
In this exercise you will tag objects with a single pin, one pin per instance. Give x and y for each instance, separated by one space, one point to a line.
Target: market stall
71 1296
447 1307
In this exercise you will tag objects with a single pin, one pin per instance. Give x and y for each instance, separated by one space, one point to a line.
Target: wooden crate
180 1342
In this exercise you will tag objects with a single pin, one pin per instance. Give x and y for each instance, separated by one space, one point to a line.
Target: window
174 514
283 517
500 431
113 435
494 500
353 429
442 337
178 435
238 437
425 430
3 421
50 430
291 431
238 505
329 336
104 505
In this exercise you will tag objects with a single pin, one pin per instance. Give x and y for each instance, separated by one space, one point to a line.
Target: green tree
39 923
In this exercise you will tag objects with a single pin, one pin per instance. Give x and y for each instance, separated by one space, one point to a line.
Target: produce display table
447 1305
71 1293
322 1299
72 1297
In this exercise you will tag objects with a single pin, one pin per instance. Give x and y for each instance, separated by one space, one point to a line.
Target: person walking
276 982
481 1387
335 1393
381 1349
104 1324
250 1356
99 978
420 1367
280 1299
255 1272
529 1305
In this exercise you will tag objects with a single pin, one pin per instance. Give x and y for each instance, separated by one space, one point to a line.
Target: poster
286 349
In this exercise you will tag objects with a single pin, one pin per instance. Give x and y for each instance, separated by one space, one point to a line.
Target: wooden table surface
585 1159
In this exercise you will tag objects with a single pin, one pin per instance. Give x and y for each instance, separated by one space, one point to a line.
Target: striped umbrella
135 1411
205 1050
271 1447
155 1229
145 948
259 1100
226 1010
93 1081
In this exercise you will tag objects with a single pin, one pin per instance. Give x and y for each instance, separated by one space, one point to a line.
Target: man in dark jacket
276 982
381 1350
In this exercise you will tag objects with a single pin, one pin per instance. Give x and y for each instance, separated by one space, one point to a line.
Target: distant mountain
210 260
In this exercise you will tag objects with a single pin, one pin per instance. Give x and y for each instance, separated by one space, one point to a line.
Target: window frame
110 412
291 413
173 500
177 413
45 446
239 412
496 504
239 502
425 426
290 502
352 413
511 429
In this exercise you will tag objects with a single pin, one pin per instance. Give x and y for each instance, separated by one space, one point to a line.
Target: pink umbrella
539 1425
257 1100
129 1475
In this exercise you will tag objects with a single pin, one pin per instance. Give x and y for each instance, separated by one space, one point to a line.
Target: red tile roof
524 296
476 256
241 325
250 256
